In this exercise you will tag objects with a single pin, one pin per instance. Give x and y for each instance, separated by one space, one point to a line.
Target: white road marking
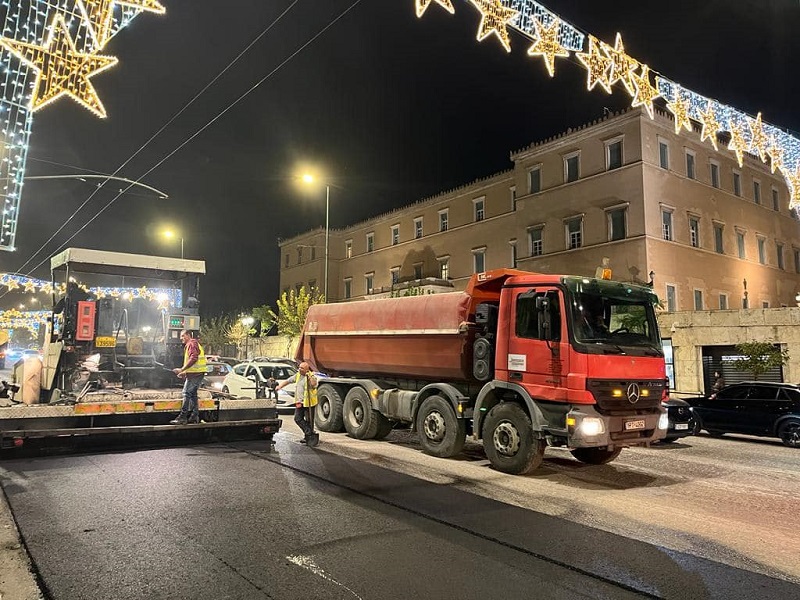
307 563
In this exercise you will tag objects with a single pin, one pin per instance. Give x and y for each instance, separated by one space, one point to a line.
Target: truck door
540 365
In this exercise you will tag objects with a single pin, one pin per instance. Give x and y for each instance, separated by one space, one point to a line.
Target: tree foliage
292 309
264 314
22 337
757 358
214 333
236 331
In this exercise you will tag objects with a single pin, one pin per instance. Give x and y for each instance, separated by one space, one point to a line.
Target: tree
214 333
292 309
236 332
264 314
757 358
22 337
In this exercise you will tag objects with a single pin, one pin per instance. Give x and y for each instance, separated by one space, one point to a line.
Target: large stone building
657 206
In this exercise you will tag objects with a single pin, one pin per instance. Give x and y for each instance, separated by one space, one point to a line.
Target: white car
250 380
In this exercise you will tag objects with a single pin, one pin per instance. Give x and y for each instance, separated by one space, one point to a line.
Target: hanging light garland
606 65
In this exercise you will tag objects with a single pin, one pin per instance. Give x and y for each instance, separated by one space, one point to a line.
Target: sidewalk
17 581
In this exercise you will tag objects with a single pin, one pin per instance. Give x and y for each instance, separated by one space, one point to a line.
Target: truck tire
440 432
385 426
509 441
360 420
595 456
328 416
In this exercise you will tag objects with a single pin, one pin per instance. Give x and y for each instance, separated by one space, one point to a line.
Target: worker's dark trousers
190 387
301 418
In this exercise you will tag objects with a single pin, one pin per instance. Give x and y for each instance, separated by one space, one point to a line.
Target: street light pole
327 233
181 247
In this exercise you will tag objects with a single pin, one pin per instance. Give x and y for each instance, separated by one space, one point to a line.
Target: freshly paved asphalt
235 521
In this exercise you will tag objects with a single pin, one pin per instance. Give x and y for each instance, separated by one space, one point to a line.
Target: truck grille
636 395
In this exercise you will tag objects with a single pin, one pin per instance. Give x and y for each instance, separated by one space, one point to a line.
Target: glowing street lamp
248 324
309 179
169 234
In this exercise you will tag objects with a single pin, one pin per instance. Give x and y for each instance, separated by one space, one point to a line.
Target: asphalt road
354 519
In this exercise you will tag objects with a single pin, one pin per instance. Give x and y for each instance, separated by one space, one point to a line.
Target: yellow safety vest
310 396
200 365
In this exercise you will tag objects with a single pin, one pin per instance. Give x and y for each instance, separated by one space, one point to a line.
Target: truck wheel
595 456
328 416
509 441
385 426
359 419
440 432
225 389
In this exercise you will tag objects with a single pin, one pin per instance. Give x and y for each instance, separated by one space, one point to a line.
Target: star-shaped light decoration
495 19
100 14
758 138
547 45
644 92
793 181
738 142
622 65
12 284
422 6
776 153
711 126
679 107
597 65
61 68
30 286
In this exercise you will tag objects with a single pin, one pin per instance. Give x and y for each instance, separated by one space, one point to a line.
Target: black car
753 408
681 419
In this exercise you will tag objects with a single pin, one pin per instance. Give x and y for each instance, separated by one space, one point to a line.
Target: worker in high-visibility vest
193 370
305 398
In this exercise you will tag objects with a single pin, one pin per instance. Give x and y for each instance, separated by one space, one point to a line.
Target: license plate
105 342
634 425
681 426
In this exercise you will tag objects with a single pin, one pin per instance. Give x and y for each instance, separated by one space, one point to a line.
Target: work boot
304 441
193 420
179 420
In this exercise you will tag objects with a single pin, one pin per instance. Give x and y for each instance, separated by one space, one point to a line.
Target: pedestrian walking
305 399
193 370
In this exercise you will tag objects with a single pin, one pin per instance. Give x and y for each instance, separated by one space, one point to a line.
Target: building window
394 272
694 232
535 241
513 193
418 228
737 183
740 244
796 260
762 253
723 301
613 154
312 285
370 242
418 271
444 268
714 167
286 261
666 224
617 226
478 208
313 252
348 288
690 161
745 302
672 304
395 235
765 304
443 220
574 231
757 192
513 244
779 255
572 167
369 283
348 249
663 154
299 254
698 300
479 260
297 288
718 245
776 202
535 180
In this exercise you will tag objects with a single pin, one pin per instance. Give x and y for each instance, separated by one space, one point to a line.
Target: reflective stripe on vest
200 365
310 395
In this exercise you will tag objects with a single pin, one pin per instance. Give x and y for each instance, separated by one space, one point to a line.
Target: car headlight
663 421
591 426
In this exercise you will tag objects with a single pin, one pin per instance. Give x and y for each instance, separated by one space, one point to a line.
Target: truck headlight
663 421
591 426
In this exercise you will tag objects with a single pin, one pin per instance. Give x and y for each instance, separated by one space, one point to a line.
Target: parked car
681 419
14 354
753 408
229 360
31 353
278 359
249 379
215 374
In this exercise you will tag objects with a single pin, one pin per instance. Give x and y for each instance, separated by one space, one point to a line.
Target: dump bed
416 337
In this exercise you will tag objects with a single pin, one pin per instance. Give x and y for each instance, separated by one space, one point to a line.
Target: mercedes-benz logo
633 393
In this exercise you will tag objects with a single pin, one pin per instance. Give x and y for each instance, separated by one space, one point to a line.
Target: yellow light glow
776 153
547 45
738 144
645 93
61 69
758 140
169 234
308 178
622 65
711 126
793 181
616 393
597 66
29 286
422 6
680 109
495 19
100 14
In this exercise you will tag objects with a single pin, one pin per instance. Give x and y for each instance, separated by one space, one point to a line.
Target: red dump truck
519 360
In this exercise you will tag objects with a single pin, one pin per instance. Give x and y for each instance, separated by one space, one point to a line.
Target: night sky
395 109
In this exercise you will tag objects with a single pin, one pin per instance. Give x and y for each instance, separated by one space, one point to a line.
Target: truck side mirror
545 329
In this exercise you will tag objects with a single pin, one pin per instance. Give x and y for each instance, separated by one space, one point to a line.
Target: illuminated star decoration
793 181
61 68
738 143
645 93
495 19
680 109
711 126
758 139
597 65
100 14
422 6
622 65
775 155
30 286
547 45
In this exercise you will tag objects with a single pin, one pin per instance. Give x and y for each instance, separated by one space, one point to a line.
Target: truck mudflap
587 428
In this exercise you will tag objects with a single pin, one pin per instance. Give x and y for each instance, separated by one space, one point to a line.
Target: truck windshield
610 316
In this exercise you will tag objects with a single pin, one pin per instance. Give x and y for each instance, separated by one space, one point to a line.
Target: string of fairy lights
50 49
607 65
